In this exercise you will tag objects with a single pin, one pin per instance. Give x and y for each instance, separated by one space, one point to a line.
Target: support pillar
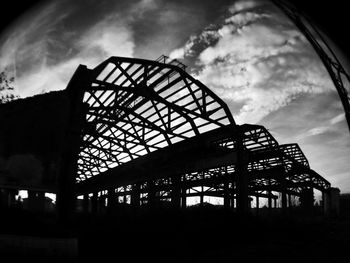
307 200
86 202
226 192
151 194
201 196
183 193
124 195
257 205
31 200
36 201
40 199
135 195
176 192
284 194
269 199
101 204
331 202
8 197
184 197
12 197
289 201
290 207
76 117
242 177
111 199
2 198
233 195
94 203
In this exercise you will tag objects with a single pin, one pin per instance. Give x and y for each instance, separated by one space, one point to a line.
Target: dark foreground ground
202 234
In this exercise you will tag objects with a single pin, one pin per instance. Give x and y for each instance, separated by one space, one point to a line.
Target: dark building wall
345 204
32 136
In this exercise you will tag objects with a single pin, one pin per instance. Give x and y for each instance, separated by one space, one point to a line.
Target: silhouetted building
142 132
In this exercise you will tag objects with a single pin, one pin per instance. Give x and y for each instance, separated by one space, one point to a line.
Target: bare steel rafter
136 106
144 116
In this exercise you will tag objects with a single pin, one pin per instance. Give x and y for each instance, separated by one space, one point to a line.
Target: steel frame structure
136 108
153 133
146 132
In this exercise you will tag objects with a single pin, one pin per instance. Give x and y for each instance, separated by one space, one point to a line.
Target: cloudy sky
245 51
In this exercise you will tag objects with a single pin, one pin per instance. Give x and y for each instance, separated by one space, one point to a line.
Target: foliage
6 88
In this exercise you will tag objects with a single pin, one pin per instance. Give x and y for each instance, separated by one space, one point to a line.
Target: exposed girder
210 159
149 123
137 106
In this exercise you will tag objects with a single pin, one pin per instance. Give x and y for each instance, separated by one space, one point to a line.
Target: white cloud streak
258 62
337 119
330 125
242 5
26 49
108 38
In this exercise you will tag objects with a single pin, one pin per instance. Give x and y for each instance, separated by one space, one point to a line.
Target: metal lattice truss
151 128
298 169
287 167
138 106
270 167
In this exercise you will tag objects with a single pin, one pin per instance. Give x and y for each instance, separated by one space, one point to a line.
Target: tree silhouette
6 88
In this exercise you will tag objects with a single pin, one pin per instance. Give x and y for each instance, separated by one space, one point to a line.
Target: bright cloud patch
27 53
111 37
259 62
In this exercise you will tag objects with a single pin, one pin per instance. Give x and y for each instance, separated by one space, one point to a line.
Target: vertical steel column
269 199
40 199
32 200
331 202
242 179
283 192
326 203
289 203
289 200
183 192
8 197
176 191
124 195
227 197
111 199
3 198
151 194
201 196
86 204
101 203
12 196
307 199
233 193
94 203
135 195
36 200
66 196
